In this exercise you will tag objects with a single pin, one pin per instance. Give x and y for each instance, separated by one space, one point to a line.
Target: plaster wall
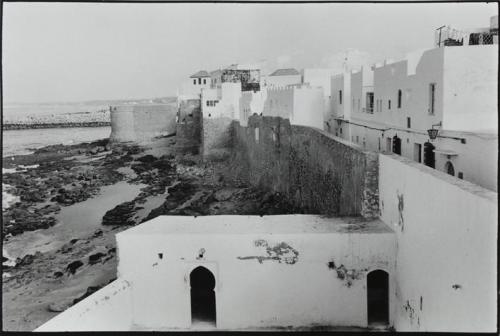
108 309
471 88
142 122
340 82
290 290
279 103
446 248
307 107
251 103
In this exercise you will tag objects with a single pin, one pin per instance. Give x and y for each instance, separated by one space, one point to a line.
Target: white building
301 104
390 108
321 78
191 87
283 77
222 97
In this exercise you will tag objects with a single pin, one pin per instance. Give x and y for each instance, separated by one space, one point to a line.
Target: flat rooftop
234 224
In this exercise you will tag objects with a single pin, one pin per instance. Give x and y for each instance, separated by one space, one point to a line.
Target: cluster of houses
437 107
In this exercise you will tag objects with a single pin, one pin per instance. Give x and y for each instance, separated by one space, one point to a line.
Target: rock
58 274
58 307
223 194
90 290
74 240
72 267
94 150
95 258
98 233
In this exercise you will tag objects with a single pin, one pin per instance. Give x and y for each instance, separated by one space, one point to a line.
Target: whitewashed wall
109 309
250 294
446 248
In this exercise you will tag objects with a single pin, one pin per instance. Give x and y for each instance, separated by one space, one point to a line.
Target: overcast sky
74 52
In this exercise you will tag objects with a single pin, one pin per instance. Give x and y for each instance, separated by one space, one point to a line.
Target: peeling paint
346 275
400 210
282 252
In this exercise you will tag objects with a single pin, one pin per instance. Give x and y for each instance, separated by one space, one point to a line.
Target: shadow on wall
314 170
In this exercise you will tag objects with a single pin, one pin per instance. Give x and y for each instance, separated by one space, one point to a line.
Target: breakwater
20 125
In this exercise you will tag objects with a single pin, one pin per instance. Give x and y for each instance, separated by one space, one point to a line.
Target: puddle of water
74 221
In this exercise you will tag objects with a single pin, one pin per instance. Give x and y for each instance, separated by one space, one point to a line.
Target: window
389 104
357 139
408 122
399 98
369 102
208 102
194 81
257 135
341 130
460 175
340 97
432 98
379 144
204 81
199 80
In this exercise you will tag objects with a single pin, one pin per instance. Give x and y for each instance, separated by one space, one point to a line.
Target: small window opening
160 255
399 98
340 97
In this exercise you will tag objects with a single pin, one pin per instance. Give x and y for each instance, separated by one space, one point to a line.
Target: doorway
378 297
396 145
202 297
450 170
429 159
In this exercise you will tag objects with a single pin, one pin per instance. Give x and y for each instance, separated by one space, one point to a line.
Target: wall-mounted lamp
433 133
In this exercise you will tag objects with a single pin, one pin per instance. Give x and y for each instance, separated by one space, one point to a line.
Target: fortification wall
143 122
318 172
188 128
446 252
217 138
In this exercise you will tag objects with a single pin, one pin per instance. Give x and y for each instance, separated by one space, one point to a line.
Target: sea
26 141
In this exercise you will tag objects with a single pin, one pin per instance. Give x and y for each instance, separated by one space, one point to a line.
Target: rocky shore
39 285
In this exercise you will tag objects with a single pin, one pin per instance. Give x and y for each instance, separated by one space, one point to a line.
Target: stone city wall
188 128
216 138
316 171
142 122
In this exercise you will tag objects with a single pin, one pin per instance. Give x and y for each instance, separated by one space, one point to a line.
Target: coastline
23 125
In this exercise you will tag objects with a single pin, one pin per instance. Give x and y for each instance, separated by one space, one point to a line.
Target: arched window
448 168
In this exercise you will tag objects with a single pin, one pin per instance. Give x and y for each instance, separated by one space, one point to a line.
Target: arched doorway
448 168
378 297
429 159
396 145
202 296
